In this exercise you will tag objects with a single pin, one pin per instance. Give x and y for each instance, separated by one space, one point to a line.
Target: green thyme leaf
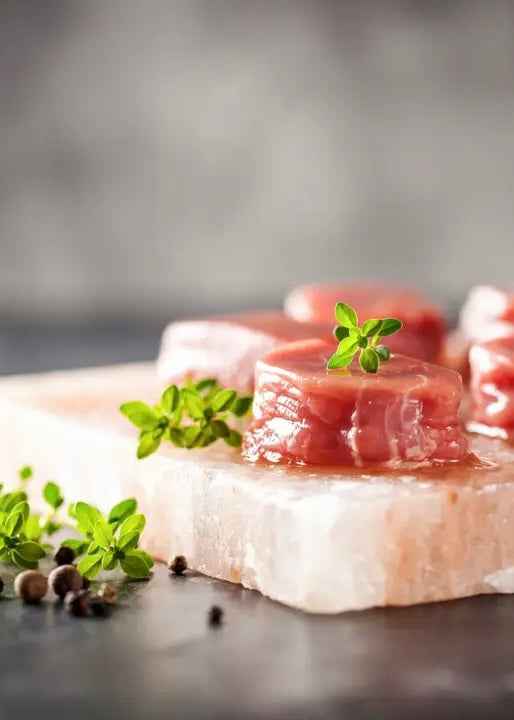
390 326
33 530
103 533
134 566
148 444
346 315
242 405
90 566
383 352
25 473
134 523
87 517
341 332
193 403
128 540
122 510
30 550
14 524
140 414
190 435
205 387
145 557
52 495
109 560
170 399
220 428
176 436
338 361
371 327
223 400
22 562
369 360
234 439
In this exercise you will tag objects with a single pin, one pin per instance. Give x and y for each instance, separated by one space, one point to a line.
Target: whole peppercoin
1 585
86 583
178 564
108 594
98 607
77 602
215 616
30 586
64 556
64 579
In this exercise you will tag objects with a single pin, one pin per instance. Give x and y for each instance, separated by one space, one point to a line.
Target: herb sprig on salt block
193 416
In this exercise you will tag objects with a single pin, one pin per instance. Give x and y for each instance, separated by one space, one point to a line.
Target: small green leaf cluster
364 340
193 416
106 542
17 542
113 540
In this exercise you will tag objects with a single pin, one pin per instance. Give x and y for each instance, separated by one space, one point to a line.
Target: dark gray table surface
157 657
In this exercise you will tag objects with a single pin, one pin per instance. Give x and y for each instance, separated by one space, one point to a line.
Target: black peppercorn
178 564
64 579
30 586
1 585
98 607
64 556
77 602
86 583
215 616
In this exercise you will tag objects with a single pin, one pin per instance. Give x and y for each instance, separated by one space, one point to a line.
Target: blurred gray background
167 157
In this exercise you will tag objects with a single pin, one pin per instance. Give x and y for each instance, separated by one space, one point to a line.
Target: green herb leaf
31 551
87 517
194 404
223 400
220 428
242 406
205 387
52 495
346 315
190 435
134 523
390 326
25 473
145 557
371 327
128 540
32 528
10 500
234 439
369 360
22 562
103 533
23 508
90 566
140 414
14 524
170 399
122 510
338 361
134 566
148 444
383 352
109 560
341 332
176 436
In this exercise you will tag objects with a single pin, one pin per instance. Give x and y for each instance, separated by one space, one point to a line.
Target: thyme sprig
193 416
364 340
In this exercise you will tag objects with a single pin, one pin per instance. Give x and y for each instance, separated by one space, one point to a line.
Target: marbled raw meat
424 322
227 347
492 386
304 414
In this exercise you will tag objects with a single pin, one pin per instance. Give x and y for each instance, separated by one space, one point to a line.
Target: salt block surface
325 540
